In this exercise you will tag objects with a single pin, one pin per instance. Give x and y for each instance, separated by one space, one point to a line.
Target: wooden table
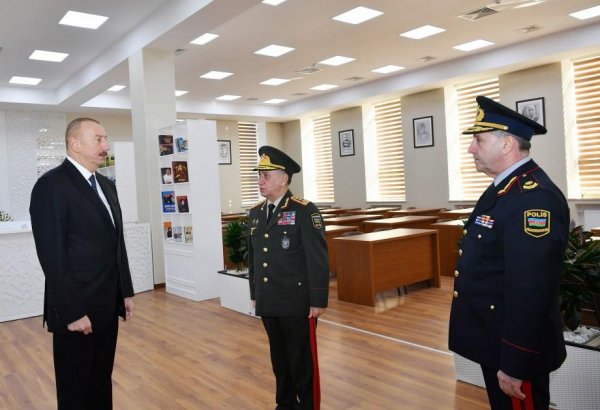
415 211
411 221
383 260
335 211
233 217
333 231
595 231
449 233
352 220
379 210
455 213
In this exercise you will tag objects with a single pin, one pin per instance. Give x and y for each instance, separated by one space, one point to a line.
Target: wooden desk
415 211
352 220
455 213
449 233
379 210
233 217
411 221
595 231
335 211
333 231
378 261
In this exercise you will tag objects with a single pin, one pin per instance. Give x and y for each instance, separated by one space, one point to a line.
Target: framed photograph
423 132
533 109
224 152
346 143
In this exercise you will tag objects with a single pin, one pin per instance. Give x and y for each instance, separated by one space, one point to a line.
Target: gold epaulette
300 200
528 183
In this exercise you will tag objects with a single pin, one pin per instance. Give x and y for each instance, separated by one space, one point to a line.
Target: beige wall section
118 126
425 168
290 136
229 175
349 171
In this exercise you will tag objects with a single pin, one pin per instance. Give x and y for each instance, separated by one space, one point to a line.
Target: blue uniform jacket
505 311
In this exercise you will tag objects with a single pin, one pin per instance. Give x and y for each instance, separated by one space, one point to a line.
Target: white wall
229 175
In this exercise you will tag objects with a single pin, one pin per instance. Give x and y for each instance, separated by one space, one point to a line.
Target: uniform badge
287 218
536 222
530 185
254 225
484 220
285 241
316 220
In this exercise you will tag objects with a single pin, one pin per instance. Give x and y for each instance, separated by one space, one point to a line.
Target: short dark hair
524 145
75 124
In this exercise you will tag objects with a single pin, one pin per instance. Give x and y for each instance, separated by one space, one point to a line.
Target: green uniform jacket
287 261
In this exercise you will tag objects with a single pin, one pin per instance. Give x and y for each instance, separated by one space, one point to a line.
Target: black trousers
540 386
83 367
291 358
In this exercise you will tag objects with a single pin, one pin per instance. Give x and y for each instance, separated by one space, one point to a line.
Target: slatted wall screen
390 151
323 160
248 161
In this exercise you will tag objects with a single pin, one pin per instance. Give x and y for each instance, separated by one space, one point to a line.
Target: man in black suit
289 278
505 312
78 232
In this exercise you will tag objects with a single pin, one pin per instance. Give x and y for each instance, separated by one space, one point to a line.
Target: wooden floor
178 354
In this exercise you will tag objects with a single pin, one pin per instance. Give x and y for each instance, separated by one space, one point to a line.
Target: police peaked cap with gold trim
493 116
272 159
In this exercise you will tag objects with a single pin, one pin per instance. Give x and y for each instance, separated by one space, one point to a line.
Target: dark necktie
270 212
92 180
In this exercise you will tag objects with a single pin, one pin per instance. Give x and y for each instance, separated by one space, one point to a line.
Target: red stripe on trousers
526 404
315 360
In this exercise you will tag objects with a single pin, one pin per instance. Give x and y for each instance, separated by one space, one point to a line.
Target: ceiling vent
355 78
529 29
309 70
179 51
252 99
426 59
299 94
478 14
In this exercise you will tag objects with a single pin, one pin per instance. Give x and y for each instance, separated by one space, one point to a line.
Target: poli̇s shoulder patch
536 222
316 220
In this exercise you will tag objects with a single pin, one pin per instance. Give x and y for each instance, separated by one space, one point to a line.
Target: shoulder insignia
508 186
528 182
300 200
530 185
536 222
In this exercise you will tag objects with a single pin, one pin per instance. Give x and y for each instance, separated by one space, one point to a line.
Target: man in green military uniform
289 278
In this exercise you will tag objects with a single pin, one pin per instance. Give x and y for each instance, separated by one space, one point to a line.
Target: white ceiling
98 58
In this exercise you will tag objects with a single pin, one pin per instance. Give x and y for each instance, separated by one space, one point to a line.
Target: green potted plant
580 277
235 238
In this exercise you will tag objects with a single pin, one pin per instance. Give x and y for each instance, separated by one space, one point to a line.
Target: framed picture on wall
533 109
346 143
224 152
423 132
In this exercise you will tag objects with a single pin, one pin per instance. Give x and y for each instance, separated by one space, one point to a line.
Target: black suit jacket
81 252
288 263
505 313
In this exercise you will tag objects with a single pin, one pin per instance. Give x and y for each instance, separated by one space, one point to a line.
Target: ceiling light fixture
324 87
275 81
337 60
422 32
52 56
388 69
216 75
275 101
82 20
274 50
115 88
473 45
529 4
587 13
273 2
357 15
24 80
179 93
228 97
204 38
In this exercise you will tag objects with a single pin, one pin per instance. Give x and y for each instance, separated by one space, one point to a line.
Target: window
384 147
586 76
323 159
248 161
465 182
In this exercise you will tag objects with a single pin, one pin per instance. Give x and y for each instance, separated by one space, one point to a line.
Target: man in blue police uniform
289 278
505 312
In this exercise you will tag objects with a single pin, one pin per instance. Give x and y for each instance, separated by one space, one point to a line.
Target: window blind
248 161
323 160
587 118
390 152
472 182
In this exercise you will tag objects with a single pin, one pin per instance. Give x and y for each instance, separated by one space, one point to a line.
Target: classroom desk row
390 212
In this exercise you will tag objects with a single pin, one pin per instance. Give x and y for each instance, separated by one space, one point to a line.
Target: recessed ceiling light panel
204 38
179 93
52 56
82 20
275 101
274 50
422 32
324 87
24 80
116 88
228 97
275 81
337 60
587 13
388 69
357 15
216 75
473 45
273 2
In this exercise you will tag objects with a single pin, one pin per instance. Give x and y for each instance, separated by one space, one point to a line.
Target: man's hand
81 325
129 307
315 312
510 386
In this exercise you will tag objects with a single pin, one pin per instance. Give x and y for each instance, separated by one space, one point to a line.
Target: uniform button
265 249
492 307
265 264
460 252
265 280
299 283
267 235
456 274
465 231
479 236
455 293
